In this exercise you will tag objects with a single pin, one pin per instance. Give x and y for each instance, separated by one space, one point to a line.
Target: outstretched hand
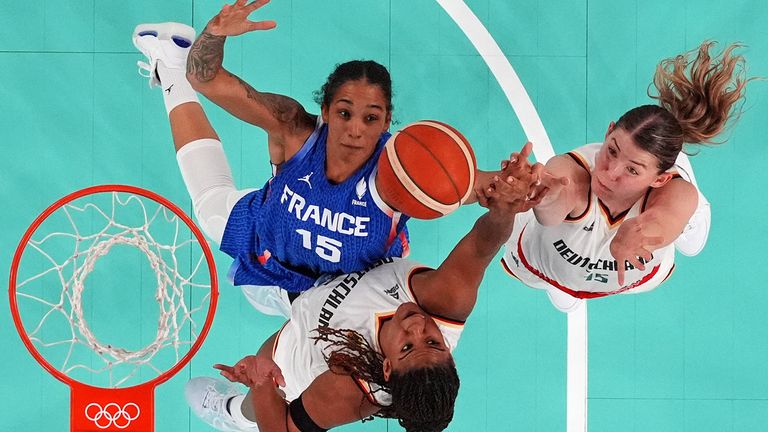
543 182
518 167
506 197
510 192
634 240
233 19
253 371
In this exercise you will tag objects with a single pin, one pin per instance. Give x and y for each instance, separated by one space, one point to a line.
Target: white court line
486 46
505 75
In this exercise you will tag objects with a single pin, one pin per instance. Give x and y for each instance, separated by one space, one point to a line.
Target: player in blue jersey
320 213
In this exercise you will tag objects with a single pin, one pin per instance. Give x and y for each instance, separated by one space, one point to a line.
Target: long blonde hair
697 93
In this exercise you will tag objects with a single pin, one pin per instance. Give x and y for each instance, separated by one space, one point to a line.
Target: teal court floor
689 356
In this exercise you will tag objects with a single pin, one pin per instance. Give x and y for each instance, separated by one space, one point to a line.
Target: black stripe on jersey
507 269
648 194
581 163
575 156
611 219
418 270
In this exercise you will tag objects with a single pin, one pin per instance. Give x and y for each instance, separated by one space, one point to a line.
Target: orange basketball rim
61 247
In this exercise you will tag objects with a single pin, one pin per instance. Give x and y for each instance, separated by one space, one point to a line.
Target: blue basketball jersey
300 226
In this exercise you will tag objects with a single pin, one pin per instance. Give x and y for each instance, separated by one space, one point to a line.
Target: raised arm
565 182
484 179
451 290
668 209
286 122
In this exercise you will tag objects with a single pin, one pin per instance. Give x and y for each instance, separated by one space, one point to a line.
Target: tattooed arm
286 122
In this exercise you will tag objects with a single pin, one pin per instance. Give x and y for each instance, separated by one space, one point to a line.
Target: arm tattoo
283 108
205 56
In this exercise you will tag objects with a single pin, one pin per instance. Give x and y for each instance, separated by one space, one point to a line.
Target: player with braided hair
425 396
615 211
375 342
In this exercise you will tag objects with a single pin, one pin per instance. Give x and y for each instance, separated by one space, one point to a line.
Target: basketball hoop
86 236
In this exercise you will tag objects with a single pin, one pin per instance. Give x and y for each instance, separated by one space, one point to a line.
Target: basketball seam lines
409 184
438 161
463 145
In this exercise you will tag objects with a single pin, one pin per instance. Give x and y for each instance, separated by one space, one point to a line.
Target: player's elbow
202 83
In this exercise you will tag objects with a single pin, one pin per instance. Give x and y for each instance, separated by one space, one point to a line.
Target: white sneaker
694 236
166 42
208 398
562 301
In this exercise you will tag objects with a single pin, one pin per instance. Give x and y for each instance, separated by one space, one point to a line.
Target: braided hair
422 398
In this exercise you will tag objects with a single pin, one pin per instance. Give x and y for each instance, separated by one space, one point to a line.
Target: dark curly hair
354 70
422 398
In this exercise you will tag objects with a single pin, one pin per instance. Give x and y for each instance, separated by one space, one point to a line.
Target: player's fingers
536 200
278 377
498 184
231 377
492 194
493 188
222 367
511 188
652 241
261 25
526 150
537 171
645 254
620 271
635 261
256 4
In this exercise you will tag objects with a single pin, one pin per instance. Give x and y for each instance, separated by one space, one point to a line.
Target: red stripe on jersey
576 293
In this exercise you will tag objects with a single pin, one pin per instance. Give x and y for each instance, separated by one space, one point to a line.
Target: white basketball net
180 273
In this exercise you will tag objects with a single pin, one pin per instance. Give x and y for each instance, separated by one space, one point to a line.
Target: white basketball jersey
574 256
356 301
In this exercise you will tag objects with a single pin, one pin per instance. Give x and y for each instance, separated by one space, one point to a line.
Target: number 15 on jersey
325 247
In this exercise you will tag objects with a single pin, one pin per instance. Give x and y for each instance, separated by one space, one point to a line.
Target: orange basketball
427 170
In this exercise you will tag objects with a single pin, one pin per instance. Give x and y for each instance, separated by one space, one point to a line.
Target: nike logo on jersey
393 292
168 90
338 222
590 228
306 179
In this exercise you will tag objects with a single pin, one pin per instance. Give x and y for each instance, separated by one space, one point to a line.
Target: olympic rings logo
112 414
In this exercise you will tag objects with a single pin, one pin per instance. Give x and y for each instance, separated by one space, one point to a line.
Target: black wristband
301 419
